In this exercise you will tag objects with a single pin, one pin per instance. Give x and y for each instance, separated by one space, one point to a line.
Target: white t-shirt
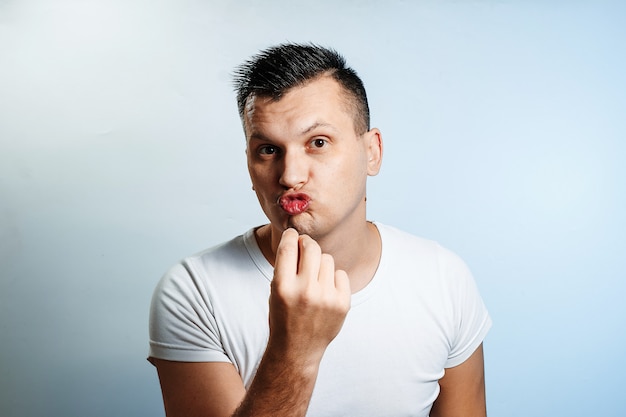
421 313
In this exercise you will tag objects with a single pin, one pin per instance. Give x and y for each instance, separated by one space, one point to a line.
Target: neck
357 252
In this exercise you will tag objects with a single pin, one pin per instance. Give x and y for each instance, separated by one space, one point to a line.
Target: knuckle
327 260
308 242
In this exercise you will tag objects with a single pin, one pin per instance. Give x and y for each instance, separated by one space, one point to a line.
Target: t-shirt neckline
359 297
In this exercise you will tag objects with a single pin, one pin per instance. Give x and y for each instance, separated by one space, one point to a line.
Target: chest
386 360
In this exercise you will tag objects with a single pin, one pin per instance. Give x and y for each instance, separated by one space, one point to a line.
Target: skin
302 144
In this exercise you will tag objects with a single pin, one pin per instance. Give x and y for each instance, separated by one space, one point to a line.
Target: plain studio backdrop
121 152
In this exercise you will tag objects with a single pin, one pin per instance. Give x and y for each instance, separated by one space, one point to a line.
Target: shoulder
412 248
439 283
228 263
196 264
391 235
423 265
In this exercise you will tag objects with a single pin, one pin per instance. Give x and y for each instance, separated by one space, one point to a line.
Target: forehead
321 100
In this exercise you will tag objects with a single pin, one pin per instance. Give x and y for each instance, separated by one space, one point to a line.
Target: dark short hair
275 70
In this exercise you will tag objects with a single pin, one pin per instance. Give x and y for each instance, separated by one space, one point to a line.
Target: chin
304 226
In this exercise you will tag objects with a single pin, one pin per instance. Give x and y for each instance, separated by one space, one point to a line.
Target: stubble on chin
304 226
299 224
294 224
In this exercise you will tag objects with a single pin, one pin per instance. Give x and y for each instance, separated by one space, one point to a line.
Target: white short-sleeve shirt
421 313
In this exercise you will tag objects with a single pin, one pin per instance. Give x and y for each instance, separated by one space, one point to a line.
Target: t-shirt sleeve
182 324
470 319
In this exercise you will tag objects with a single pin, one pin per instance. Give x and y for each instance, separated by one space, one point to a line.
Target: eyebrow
261 137
316 125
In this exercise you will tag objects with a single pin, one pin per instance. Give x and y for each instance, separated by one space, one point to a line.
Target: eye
318 143
268 150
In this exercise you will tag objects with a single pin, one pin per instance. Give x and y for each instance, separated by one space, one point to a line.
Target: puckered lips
294 203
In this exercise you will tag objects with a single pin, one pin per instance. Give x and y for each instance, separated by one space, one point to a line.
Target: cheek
352 169
261 178
345 178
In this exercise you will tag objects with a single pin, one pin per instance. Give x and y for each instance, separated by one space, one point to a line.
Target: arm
199 389
215 389
308 304
463 389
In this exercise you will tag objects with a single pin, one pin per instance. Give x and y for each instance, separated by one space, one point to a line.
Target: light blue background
121 152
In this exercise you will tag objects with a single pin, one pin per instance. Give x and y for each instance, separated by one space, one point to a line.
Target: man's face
307 164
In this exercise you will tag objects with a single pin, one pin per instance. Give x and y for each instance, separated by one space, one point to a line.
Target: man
362 319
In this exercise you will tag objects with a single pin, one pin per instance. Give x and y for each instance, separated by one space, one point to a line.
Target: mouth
294 204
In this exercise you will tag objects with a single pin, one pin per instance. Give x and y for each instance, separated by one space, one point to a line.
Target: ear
374 143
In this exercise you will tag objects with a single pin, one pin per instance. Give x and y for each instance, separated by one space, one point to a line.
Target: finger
310 256
326 274
342 283
286 255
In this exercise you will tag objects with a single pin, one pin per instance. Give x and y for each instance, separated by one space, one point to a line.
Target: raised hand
309 299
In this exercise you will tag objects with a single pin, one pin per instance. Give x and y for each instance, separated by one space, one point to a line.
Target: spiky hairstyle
276 70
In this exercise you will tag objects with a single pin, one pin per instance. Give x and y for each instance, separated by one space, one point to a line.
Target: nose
295 170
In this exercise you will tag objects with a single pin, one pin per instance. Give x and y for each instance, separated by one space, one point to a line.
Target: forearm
281 387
